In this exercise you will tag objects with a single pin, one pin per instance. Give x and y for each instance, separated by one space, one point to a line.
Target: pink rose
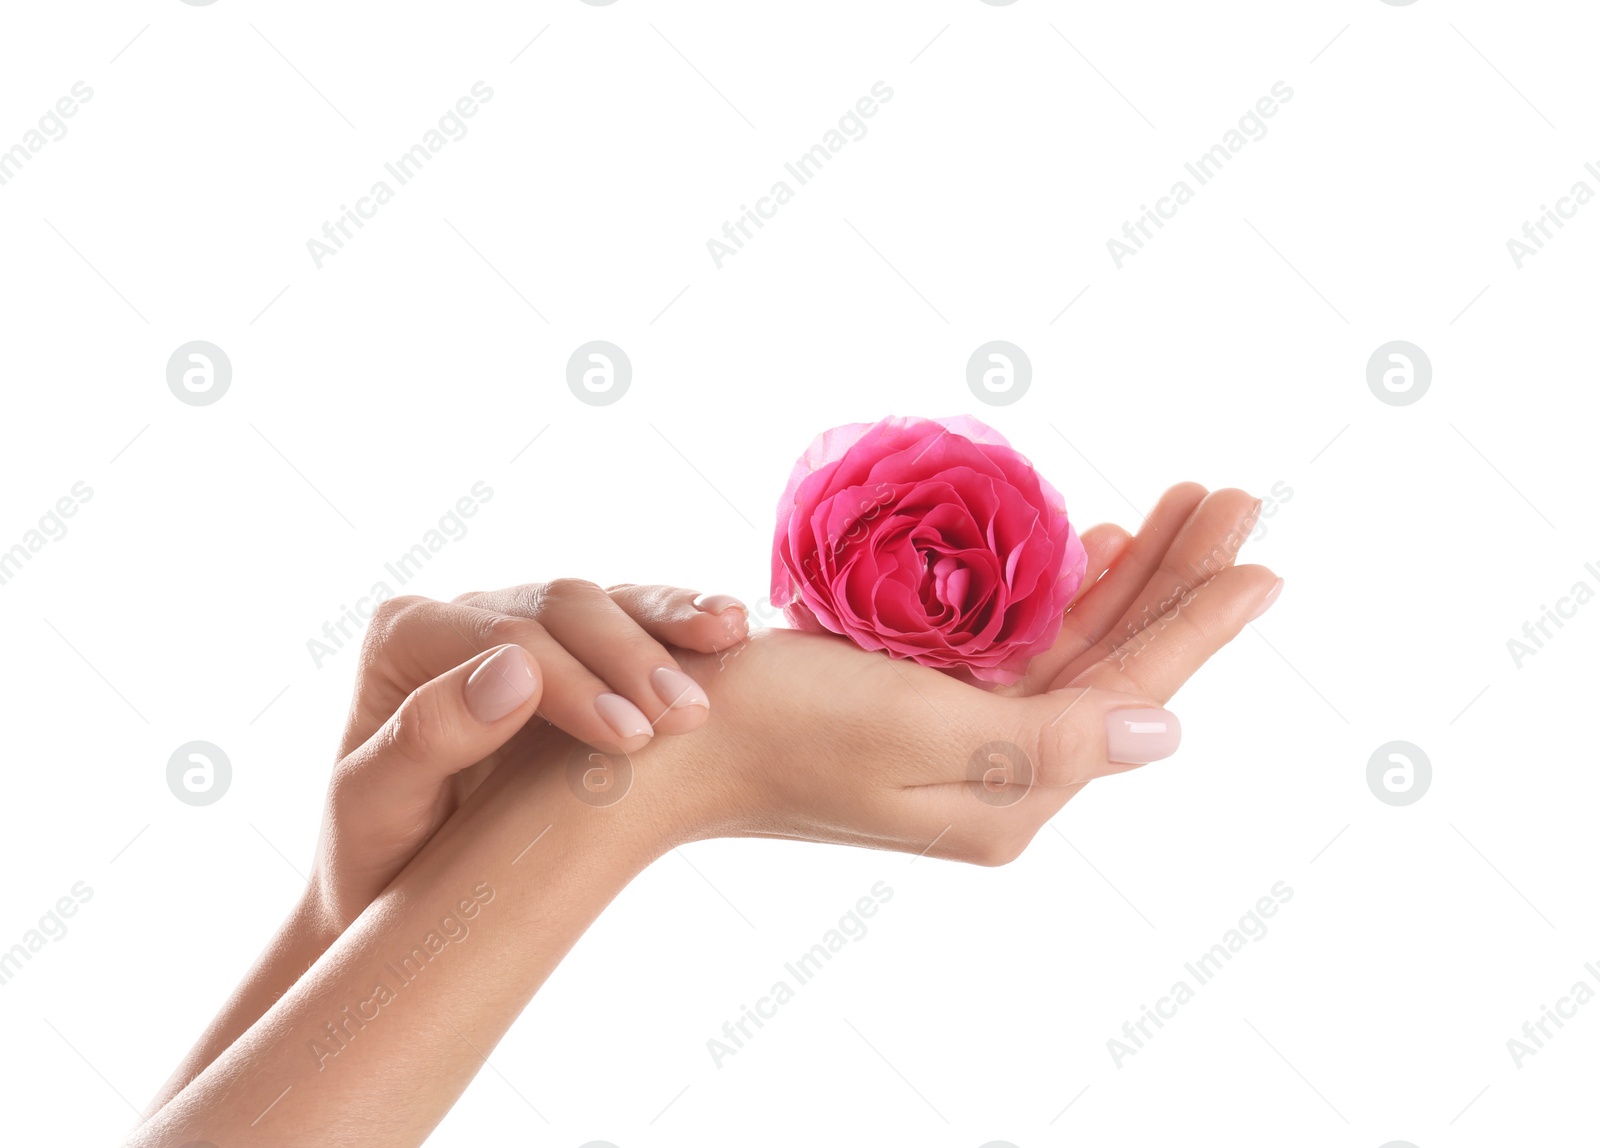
930 539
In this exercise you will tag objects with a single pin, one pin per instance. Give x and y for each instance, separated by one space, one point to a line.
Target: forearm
375 1043
303 937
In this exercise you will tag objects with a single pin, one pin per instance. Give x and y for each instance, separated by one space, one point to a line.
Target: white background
369 395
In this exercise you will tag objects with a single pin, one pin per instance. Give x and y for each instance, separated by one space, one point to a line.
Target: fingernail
677 689
1250 522
622 716
716 603
501 685
1141 734
1266 603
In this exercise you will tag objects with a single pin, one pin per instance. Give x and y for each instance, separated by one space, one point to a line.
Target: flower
930 539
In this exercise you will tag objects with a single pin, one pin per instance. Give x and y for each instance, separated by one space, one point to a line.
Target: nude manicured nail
501 685
677 689
716 603
1141 734
622 716
1266 603
1251 520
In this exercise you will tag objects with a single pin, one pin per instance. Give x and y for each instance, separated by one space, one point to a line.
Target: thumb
1068 737
458 718
1087 733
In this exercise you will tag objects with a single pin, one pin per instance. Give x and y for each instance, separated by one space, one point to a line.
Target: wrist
724 777
608 806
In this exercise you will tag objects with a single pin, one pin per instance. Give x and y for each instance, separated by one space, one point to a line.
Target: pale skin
487 867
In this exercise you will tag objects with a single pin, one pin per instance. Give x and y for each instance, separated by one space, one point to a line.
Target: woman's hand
440 690
813 738
817 739
443 686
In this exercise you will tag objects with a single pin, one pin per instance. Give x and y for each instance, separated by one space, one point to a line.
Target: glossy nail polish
1141 734
501 685
1266 603
677 689
717 603
622 716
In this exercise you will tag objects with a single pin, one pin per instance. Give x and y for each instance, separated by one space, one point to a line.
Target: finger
399 776
620 639
445 725
1113 595
410 640
1095 613
1105 543
1076 739
1206 545
428 636
706 623
1065 737
611 715
1118 723
404 646
1200 623
595 629
1024 759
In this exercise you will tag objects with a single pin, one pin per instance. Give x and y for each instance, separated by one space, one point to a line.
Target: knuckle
1113 673
567 590
417 731
508 629
346 771
528 600
1062 748
390 617
390 609
524 601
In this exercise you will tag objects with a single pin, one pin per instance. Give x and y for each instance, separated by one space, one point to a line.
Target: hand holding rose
817 739
812 738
